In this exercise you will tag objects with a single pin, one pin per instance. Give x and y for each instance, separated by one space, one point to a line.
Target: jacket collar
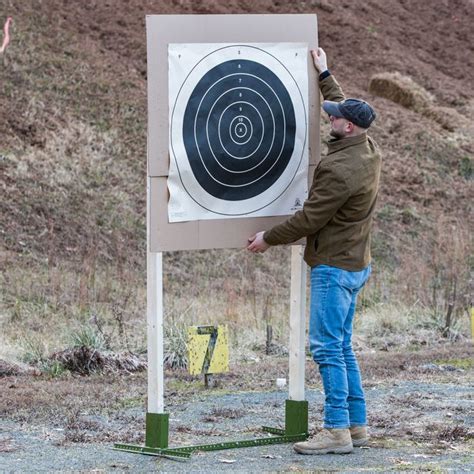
337 144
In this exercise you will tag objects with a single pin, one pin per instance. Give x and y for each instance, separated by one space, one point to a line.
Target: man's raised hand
320 60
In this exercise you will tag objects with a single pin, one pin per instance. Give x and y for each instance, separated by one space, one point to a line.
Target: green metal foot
186 451
157 428
296 417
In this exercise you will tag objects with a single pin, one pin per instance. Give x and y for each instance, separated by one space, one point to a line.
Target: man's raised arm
328 85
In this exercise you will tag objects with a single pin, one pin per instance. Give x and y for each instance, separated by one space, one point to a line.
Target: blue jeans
333 301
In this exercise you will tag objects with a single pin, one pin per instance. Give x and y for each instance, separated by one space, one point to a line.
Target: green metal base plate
132 448
186 451
156 440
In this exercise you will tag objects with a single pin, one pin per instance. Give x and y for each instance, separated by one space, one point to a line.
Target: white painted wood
154 296
297 324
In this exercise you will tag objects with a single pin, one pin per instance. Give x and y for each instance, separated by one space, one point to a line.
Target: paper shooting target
238 130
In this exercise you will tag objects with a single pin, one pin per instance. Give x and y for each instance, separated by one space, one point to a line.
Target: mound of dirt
86 360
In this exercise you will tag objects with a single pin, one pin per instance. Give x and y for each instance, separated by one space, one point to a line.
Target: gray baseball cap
357 111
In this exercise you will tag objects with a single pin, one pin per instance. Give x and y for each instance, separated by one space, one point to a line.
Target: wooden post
157 421
297 324
447 324
155 332
268 344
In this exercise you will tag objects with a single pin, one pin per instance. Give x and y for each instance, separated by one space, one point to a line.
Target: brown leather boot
327 441
359 436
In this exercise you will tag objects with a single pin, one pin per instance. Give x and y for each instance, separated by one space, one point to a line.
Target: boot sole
340 450
357 443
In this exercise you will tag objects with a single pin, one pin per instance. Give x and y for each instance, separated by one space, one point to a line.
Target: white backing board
163 30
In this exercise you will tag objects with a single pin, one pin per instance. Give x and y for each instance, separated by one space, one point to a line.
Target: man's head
350 117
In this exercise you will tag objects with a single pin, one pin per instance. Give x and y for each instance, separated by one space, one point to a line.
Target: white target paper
238 130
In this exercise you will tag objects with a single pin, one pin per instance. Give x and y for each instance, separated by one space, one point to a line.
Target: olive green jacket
336 218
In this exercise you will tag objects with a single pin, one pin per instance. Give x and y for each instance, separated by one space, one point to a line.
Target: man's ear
349 127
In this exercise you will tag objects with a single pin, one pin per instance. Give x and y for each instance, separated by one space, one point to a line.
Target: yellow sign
208 350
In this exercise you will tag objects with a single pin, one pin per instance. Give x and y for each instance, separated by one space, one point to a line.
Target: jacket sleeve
328 193
331 89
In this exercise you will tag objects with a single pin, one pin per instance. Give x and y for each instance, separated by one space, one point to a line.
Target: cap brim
332 108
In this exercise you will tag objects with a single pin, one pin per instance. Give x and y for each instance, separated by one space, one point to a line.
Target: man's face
340 127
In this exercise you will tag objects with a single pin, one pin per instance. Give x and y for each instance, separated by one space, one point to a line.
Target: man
336 221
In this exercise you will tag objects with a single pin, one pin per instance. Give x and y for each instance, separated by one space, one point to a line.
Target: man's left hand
257 244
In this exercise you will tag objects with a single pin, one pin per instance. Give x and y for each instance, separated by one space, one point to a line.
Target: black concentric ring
239 129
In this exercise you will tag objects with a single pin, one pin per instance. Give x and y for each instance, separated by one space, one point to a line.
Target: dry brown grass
9 368
425 286
447 117
79 201
48 309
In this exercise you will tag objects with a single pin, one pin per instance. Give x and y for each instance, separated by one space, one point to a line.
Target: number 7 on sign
208 350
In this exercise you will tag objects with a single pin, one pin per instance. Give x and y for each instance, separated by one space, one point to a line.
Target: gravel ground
425 426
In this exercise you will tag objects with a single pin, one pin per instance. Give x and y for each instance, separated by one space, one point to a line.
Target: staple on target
238 128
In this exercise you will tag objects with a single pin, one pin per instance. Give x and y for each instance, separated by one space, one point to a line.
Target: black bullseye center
239 130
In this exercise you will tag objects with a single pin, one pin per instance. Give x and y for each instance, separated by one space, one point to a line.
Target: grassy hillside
73 168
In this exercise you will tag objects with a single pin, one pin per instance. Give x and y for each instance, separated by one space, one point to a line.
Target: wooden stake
268 345
447 324
297 353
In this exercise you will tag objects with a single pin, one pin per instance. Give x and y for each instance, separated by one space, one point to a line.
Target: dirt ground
421 407
426 42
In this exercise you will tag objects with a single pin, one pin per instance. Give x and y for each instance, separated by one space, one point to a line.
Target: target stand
231 145
157 422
